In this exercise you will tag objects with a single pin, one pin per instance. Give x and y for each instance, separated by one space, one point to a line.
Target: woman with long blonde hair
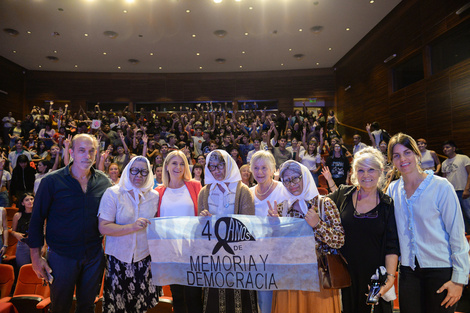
178 197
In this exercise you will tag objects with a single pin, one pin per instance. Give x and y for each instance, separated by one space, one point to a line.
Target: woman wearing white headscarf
329 234
124 214
224 193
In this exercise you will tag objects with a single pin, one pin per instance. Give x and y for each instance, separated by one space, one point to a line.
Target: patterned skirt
128 286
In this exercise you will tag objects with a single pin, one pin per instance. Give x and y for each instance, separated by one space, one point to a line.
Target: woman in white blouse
124 214
434 262
267 190
178 197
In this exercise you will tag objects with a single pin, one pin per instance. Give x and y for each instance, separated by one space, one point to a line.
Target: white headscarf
232 173
309 190
126 184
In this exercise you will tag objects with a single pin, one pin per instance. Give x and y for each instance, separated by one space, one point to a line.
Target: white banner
235 251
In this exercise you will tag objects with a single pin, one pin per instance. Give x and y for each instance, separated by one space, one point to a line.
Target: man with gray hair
69 199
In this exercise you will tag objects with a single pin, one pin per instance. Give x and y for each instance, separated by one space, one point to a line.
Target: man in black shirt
69 199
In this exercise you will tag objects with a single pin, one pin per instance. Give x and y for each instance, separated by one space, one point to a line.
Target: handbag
332 266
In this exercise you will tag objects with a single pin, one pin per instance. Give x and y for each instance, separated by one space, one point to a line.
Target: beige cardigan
244 201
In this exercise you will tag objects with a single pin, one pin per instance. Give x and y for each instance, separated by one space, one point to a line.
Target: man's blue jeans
86 274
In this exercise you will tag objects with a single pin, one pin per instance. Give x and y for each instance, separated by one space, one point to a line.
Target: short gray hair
369 157
290 165
266 156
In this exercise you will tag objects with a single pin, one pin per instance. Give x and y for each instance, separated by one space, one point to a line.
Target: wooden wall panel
436 107
82 87
12 83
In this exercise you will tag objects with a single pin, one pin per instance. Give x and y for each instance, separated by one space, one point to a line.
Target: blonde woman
178 197
267 190
368 219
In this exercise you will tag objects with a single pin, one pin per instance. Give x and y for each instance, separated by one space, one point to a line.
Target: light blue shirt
431 227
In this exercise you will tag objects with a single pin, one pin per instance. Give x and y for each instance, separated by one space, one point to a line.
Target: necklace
264 193
367 214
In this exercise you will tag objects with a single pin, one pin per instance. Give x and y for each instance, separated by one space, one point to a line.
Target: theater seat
396 305
10 254
7 277
165 302
29 291
322 182
322 191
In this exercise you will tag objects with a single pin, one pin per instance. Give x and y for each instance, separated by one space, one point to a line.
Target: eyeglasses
134 171
374 214
294 180
219 166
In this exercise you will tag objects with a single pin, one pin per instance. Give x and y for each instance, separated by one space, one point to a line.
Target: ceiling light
200 67
290 49
238 0
217 1
28 32
246 34
188 11
159 67
12 32
220 60
282 64
371 1
52 58
347 28
250 8
110 34
241 66
76 65
318 63
14 51
300 29
330 49
220 33
119 67
104 53
133 61
39 65
86 35
316 29
299 56
193 35
197 53
243 52
151 53
130 1
55 51
125 11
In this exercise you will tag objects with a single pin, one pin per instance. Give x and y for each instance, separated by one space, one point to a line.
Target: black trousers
186 299
417 289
